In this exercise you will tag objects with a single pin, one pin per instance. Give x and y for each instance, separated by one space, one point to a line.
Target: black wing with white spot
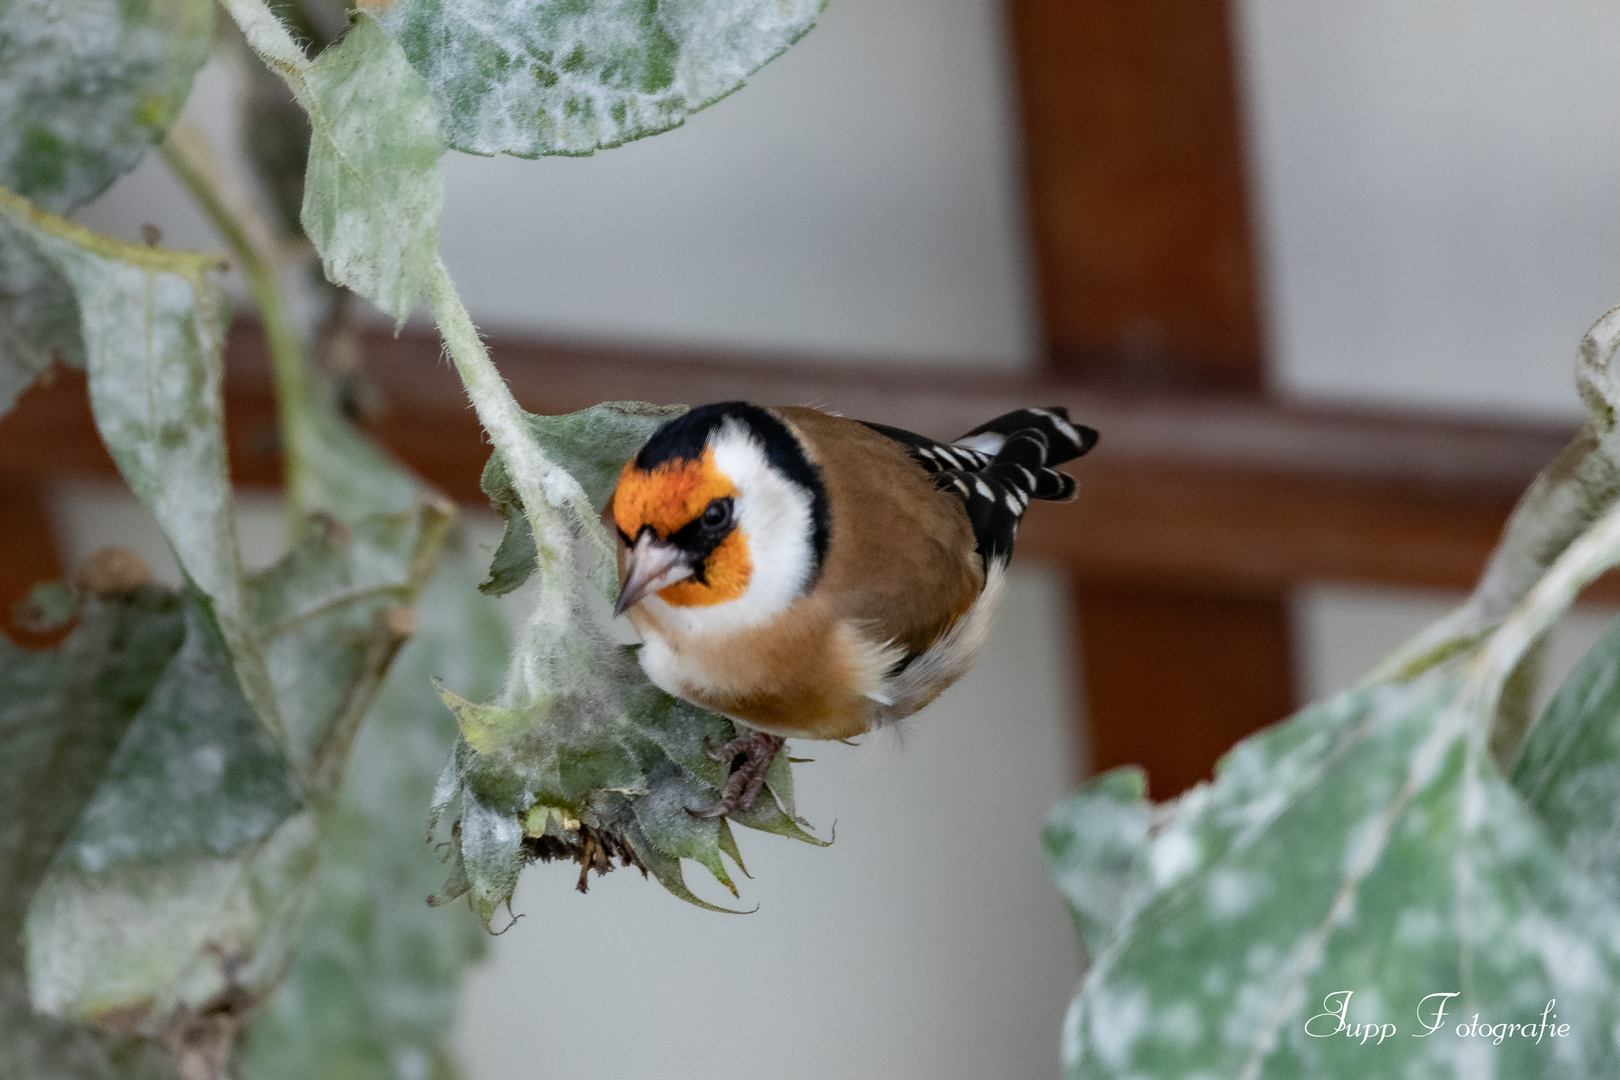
998 467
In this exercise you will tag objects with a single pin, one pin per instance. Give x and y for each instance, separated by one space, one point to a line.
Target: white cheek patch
774 516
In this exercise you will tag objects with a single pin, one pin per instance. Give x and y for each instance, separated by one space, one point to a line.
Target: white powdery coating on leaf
1173 855
158 406
1365 841
373 192
1577 966
1233 893
153 342
1117 1022
537 77
88 87
1180 1024
1419 926
93 943
488 832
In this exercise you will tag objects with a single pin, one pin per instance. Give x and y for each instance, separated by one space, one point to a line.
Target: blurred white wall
1437 188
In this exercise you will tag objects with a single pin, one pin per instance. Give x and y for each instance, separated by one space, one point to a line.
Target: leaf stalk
189 157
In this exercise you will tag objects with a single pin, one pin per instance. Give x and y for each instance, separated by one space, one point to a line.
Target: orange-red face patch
670 497
725 576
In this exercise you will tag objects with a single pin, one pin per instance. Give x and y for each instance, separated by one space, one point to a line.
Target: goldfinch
813 576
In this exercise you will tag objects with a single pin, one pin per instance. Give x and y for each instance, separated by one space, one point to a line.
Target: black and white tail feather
998 467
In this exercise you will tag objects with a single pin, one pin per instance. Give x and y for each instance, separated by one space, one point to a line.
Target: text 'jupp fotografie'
1334 1022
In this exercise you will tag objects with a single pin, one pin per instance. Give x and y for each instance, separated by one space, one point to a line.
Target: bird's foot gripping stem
749 758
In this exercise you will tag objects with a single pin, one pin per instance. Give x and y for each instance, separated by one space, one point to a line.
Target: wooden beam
1228 490
1188 671
1137 200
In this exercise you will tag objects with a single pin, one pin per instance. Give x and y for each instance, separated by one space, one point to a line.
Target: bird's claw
749 757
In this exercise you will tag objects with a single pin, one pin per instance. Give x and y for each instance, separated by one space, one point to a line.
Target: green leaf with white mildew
39 318
372 192
1369 845
549 77
62 715
174 908
88 87
1096 845
1569 772
169 894
1402 866
153 326
330 617
372 989
189 876
593 446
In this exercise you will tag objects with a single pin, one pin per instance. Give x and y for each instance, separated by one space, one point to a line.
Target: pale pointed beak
652 564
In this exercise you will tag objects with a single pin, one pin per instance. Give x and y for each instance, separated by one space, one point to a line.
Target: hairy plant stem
1593 553
540 484
190 158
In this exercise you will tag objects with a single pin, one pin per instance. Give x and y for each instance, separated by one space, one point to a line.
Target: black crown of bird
812 576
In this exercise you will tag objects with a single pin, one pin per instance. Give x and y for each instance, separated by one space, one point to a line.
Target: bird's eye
716 516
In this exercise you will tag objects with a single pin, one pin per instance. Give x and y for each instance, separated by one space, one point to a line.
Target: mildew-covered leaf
62 715
188 862
174 908
153 324
1348 872
372 192
549 77
1096 851
1406 868
593 446
372 987
343 474
187 880
39 318
331 614
86 88
1569 772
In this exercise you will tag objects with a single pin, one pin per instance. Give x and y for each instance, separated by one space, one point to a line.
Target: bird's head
722 510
